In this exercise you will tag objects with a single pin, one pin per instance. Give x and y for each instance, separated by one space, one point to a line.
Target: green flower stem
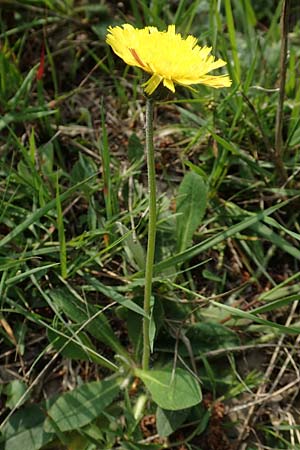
151 231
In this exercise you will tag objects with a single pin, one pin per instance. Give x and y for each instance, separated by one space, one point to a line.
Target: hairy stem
151 232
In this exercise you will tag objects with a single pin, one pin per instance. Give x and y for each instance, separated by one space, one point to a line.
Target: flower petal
212 81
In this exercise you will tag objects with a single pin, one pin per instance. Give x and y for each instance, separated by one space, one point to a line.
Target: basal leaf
14 391
24 430
190 206
80 312
169 421
171 390
208 336
80 349
79 407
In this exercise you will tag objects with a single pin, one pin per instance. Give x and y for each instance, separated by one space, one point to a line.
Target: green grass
73 234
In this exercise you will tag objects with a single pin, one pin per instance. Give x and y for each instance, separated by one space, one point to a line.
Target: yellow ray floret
167 56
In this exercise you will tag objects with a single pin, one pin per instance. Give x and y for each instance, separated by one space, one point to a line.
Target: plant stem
279 116
151 232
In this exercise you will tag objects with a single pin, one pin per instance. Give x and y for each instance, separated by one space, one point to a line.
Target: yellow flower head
166 56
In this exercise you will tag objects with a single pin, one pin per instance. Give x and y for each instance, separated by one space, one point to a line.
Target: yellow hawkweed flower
167 56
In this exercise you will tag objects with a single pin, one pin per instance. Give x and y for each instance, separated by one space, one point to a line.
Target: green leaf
169 421
211 276
24 89
134 325
14 392
203 337
208 336
191 205
134 446
235 312
24 430
152 325
27 115
268 234
195 250
82 350
82 170
61 234
82 405
27 273
135 148
173 390
133 248
112 294
36 215
295 138
80 312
